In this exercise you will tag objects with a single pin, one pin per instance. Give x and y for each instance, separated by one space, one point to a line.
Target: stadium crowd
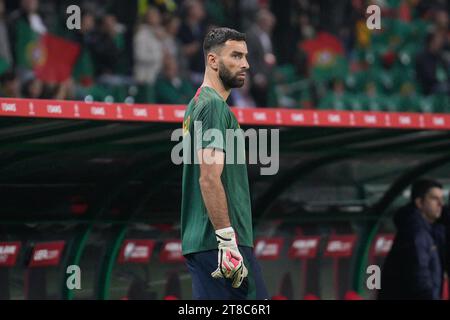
303 54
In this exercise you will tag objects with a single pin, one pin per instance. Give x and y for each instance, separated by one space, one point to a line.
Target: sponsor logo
54 109
98 111
9 107
140 112
260 116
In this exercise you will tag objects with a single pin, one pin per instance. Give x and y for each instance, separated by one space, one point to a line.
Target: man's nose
246 65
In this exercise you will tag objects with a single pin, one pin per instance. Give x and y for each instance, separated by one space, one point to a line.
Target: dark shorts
205 287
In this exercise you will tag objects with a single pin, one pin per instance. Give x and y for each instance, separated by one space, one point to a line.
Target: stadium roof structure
67 143
74 162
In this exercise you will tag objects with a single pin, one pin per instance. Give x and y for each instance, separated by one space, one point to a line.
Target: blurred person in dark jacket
171 87
191 34
413 269
109 48
261 55
9 85
445 253
432 68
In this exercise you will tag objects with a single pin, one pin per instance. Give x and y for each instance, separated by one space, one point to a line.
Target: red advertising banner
8 253
248 116
47 254
268 248
171 252
136 251
382 245
304 247
340 246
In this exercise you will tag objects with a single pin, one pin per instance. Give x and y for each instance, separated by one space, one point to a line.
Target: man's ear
213 61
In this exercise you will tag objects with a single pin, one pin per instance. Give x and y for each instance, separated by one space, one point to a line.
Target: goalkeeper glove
230 261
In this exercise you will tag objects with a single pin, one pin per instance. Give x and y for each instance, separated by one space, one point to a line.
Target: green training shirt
197 231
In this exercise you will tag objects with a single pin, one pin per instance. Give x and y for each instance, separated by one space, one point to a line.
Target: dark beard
229 80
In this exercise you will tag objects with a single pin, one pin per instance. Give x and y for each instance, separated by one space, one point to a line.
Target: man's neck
217 85
427 219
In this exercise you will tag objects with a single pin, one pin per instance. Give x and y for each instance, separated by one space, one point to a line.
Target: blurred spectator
373 99
85 35
108 49
249 10
148 48
33 89
305 29
9 85
433 71
5 49
222 13
413 267
445 221
84 71
170 87
191 34
171 44
261 57
441 21
386 57
336 98
25 27
64 90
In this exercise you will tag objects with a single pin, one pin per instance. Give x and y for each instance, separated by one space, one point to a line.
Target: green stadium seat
426 103
145 94
441 103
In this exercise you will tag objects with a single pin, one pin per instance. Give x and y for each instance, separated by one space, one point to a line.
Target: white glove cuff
224 230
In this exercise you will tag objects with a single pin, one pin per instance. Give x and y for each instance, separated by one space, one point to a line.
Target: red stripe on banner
247 116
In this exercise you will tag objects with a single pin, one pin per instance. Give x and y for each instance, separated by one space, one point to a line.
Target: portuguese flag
54 58
51 58
325 56
26 43
83 71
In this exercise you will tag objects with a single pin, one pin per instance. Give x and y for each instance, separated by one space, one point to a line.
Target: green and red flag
54 58
325 56
26 44
83 71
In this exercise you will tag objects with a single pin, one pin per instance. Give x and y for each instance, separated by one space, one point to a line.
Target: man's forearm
216 203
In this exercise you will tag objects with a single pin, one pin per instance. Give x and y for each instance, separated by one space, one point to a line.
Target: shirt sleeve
210 127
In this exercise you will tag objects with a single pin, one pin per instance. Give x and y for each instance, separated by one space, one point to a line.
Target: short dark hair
421 187
218 36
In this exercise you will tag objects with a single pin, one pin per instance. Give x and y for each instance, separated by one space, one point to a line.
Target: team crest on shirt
186 124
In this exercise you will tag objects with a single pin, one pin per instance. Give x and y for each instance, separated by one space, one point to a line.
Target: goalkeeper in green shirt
216 220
